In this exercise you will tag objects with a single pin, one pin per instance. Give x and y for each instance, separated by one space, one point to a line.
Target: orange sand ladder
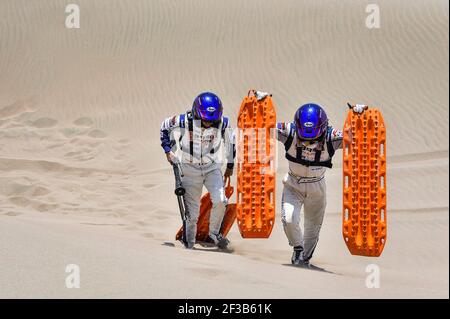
364 178
256 166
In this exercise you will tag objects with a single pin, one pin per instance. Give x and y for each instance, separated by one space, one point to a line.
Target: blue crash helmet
311 122
207 107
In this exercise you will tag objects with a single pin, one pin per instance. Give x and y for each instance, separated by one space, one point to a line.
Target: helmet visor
310 133
204 121
211 114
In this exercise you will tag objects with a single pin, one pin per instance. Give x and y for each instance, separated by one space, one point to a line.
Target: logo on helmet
308 124
211 109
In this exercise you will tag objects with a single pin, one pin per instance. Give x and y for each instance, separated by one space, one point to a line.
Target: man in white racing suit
204 143
310 144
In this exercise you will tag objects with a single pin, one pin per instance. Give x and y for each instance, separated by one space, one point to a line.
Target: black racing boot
219 241
297 255
305 264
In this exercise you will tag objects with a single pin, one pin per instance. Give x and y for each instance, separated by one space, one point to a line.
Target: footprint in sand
14 190
20 201
168 244
55 145
97 134
84 121
40 191
43 122
141 223
12 214
69 132
84 151
71 154
44 207
84 159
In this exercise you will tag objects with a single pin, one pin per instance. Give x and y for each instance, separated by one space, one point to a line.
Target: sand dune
82 174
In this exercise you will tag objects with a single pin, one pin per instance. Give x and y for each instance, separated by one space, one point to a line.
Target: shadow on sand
209 247
312 267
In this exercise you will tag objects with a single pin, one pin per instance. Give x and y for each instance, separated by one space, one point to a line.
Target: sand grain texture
83 179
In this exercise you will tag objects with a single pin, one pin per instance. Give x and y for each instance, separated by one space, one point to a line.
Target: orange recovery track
364 178
205 211
256 166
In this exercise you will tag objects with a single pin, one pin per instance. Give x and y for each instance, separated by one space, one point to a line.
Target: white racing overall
202 155
304 186
195 176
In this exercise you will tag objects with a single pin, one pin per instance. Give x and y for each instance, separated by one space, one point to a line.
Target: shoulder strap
183 120
330 147
191 132
189 115
183 126
224 125
290 139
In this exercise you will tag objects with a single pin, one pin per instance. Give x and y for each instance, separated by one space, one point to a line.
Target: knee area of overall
192 220
288 220
218 200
